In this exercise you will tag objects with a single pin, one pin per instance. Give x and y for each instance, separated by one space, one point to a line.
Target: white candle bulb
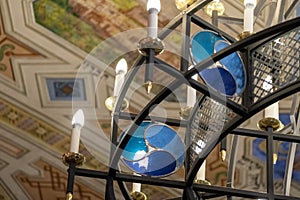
153 4
153 8
253 2
249 15
136 187
191 94
121 70
77 124
201 172
78 118
190 102
272 110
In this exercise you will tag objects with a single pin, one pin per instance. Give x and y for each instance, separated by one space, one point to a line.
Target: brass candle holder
244 34
73 157
136 195
69 196
275 124
203 182
267 122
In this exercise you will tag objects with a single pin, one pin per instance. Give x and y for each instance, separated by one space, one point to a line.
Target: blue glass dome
228 76
154 149
234 64
203 45
136 146
219 79
155 163
163 137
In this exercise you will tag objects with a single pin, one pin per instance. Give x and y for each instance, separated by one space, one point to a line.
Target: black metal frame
243 111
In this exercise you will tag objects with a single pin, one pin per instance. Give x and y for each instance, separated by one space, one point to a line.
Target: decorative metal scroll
275 64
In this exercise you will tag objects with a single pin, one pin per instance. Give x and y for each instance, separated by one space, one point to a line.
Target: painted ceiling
59 55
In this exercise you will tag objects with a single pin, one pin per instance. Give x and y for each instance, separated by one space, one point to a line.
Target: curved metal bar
232 161
279 94
231 49
274 30
188 131
161 65
167 68
284 27
220 98
263 41
188 194
169 121
276 96
138 120
262 104
109 192
124 190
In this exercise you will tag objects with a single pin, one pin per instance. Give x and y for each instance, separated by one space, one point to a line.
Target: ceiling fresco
45 74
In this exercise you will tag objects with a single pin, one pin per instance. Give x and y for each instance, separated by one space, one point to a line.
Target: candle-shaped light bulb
78 118
190 102
153 4
191 94
249 15
191 97
271 111
153 8
136 187
121 70
201 172
252 2
77 124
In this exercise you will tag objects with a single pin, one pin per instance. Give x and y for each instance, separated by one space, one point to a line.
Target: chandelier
227 81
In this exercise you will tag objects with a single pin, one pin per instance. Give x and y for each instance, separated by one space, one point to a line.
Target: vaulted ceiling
57 56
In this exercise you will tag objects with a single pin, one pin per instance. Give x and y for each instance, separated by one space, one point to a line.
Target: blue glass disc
156 163
164 137
220 79
154 149
234 64
203 45
136 146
